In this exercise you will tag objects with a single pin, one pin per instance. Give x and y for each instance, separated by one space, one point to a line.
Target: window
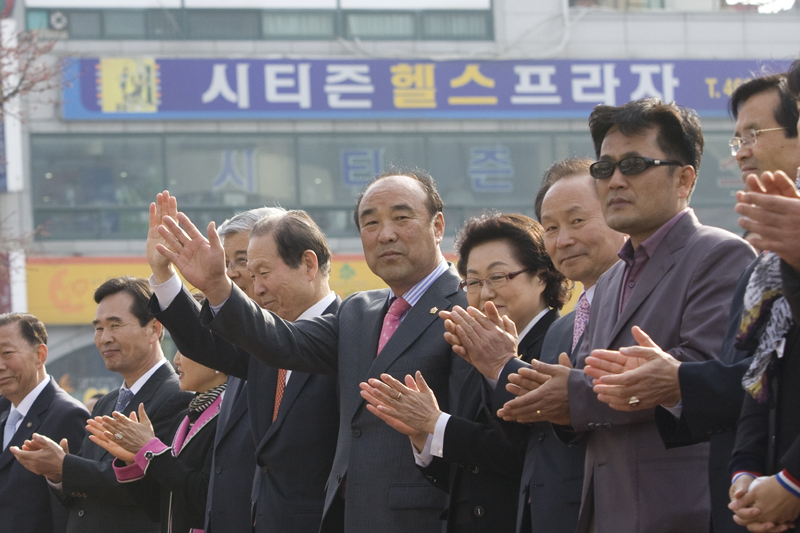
128 24
223 24
85 25
298 25
385 26
454 26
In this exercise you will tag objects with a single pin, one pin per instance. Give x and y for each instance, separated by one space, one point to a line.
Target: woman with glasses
503 260
170 482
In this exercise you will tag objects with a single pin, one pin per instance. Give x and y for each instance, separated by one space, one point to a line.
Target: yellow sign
61 289
127 85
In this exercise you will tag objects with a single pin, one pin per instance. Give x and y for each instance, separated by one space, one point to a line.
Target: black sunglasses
630 166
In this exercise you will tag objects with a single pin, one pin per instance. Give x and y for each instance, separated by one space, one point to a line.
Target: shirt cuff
56 486
737 475
676 409
148 451
215 308
167 291
789 482
437 442
423 458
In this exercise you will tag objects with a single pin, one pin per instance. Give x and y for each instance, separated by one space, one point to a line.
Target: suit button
84 494
80 513
541 436
356 433
478 511
218 469
265 469
474 469
591 425
74 495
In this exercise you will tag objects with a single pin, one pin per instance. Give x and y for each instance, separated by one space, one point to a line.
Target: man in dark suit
374 484
294 443
710 392
129 340
31 402
648 155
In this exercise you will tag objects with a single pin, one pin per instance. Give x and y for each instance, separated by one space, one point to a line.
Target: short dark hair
295 232
139 290
432 199
785 113
679 133
558 170
793 79
31 328
526 238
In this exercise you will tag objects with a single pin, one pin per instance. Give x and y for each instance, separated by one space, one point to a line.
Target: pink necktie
392 320
279 392
581 319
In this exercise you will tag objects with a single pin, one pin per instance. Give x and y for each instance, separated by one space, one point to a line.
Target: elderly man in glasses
675 282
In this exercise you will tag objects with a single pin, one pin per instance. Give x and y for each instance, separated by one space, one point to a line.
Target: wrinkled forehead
569 193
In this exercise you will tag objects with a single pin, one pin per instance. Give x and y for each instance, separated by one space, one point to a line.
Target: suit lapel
537 333
654 271
232 408
29 424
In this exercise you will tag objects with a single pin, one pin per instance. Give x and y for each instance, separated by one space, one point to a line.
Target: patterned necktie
581 319
11 426
279 392
124 397
392 320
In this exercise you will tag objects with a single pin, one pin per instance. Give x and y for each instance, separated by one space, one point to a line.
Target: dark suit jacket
96 501
682 300
552 477
291 458
711 396
480 468
174 489
385 491
26 503
768 434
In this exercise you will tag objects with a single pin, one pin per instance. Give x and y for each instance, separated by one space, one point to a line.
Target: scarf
202 400
766 320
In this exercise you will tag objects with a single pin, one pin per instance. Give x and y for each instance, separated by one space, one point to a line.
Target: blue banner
173 89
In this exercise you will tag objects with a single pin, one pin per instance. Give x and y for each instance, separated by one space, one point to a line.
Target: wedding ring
538 412
634 401
399 395
118 436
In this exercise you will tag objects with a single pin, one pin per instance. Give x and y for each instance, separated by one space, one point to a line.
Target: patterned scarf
765 322
202 400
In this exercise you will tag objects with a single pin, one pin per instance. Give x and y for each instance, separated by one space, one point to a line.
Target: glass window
464 25
36 19
165 24
381 25
82 185
223 24
298 25
124 24
85 25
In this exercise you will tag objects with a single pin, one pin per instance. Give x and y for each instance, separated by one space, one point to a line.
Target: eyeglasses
630 166
495 280
240 263
748 138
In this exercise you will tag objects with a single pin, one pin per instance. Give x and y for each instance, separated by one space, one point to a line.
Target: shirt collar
413 295
532 323
650 244
136 387
27 402
589 293
318 308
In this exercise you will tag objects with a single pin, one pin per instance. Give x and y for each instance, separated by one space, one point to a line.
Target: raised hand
43 456
200 260
130 433
107 441
548 399
771 211
165 205
645 372
486 341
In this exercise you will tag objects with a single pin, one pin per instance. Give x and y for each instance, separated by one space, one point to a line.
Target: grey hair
244 222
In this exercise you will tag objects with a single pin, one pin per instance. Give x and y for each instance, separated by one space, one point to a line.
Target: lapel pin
29 424
434 310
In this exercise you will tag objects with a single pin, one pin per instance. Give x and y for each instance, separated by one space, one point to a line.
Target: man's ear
41 355
311 263
686 180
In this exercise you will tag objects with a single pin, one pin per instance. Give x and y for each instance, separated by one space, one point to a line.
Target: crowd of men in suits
627 420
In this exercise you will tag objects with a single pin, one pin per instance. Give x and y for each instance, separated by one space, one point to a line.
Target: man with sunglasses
675 282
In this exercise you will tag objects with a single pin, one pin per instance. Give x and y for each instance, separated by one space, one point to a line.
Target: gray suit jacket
384 490
682 300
